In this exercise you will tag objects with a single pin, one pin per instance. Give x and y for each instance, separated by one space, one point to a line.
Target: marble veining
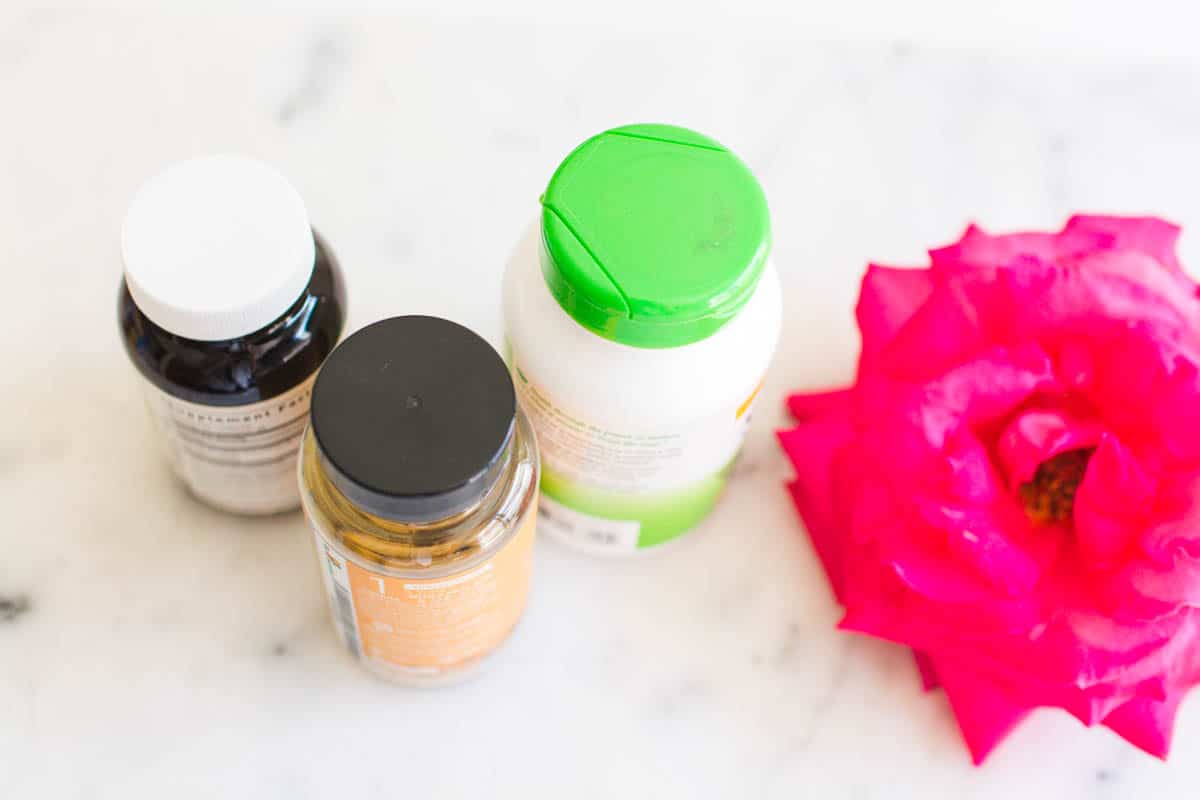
13 606
324 60
151 646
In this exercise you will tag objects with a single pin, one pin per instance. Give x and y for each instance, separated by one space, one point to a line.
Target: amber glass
496 531
250 368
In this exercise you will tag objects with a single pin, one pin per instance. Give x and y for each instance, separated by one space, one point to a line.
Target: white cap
216 247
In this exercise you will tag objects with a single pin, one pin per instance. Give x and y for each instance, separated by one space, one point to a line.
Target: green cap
653 235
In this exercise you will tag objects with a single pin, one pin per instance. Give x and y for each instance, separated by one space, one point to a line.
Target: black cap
412 416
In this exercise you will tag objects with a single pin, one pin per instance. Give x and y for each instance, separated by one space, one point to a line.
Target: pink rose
1012 485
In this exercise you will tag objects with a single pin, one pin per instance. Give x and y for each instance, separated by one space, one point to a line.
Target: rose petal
1108 650
889 298
1154 237
971 478
943 332
1115 482
825 540
1176 411
1131 371
806 405
996 543
1098 266
1149 390
1146 724
985 713
994 384
1175 527
1038 435
983 630
925 570
874 509
1075 365
1086 299
1160 590
1110 503
979 252
811 448
1131 286
929 678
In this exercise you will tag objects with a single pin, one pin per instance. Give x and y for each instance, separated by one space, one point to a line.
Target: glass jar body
232 412
426 604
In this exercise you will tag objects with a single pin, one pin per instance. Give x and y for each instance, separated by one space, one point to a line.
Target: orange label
441 623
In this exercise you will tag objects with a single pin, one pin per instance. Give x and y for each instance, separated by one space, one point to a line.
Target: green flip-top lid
653 235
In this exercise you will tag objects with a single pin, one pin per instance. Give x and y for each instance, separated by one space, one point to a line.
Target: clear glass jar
419 477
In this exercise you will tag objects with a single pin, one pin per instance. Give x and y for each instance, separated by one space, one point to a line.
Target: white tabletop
152 647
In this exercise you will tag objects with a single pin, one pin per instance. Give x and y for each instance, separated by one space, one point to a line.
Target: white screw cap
216 247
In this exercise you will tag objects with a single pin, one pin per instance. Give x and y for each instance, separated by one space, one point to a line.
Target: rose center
1050 495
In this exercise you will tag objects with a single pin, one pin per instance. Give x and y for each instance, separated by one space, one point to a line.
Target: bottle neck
403 542
441 547
428 511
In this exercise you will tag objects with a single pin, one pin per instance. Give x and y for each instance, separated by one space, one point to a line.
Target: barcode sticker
594 534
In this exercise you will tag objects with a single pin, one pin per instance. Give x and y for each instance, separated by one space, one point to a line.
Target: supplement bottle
641 315
419 478
229 305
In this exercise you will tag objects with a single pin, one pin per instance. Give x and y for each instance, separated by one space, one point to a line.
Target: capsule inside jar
419 477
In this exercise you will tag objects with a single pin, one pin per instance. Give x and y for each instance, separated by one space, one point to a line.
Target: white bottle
641 315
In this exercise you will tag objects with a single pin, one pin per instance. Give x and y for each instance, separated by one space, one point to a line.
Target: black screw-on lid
412 416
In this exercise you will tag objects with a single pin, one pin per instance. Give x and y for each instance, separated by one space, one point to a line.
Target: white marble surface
150 647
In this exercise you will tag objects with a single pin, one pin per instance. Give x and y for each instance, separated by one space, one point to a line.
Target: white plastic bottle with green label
641 315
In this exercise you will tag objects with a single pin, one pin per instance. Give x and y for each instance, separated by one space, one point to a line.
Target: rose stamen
1050 495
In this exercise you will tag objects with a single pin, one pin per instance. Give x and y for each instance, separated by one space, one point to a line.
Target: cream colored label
240 458
626 456
429 626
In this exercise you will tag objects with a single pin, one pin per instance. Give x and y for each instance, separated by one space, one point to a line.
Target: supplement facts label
615 485
427 626
629 460
240 458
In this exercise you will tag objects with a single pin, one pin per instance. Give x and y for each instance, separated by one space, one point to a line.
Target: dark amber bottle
229 305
